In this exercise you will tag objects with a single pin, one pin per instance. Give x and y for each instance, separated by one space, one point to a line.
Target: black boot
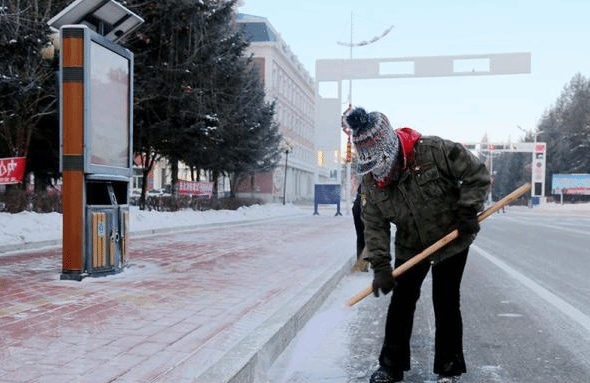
383 375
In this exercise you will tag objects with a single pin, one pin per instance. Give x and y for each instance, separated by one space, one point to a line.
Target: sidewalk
213 304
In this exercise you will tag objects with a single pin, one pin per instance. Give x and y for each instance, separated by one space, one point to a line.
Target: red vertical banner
348 151
12 170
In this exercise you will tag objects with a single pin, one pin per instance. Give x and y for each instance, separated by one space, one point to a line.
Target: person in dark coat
358 224
361 264
426 186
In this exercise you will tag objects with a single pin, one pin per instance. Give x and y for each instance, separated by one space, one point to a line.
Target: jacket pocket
429 180
383 201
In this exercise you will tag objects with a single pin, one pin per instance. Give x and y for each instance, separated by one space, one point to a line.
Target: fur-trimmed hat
375 141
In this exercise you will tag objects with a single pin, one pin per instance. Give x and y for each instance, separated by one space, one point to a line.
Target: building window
137 180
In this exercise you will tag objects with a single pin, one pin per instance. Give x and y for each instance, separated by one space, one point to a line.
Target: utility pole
348 183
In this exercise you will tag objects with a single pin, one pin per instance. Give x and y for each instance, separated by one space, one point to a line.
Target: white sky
458 108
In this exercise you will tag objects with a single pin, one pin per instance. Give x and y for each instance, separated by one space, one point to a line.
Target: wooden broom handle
442 242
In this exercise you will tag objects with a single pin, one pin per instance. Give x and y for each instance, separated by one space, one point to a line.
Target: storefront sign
201 188
12 170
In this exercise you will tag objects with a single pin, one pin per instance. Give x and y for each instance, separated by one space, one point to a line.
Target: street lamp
287 146
351 45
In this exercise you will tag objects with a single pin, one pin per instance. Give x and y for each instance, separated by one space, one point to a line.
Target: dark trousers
448 342
358 225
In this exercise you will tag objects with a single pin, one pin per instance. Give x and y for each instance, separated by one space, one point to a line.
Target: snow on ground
28 226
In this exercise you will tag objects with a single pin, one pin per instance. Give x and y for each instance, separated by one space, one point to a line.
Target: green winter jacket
439 176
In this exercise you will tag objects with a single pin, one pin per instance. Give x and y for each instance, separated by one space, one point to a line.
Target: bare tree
27 84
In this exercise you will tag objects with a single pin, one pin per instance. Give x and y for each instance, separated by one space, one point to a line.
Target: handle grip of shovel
442 242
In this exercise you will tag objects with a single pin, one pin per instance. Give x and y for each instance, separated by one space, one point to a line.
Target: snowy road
526 313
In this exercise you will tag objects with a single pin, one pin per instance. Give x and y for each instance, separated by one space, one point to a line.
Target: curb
51 243
257 351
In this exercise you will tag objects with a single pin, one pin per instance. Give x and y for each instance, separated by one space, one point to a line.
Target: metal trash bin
107 228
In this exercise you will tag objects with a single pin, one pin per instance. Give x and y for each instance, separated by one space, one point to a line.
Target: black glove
384 280
467 223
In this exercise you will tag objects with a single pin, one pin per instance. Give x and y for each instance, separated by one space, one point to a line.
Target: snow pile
28 226
145 220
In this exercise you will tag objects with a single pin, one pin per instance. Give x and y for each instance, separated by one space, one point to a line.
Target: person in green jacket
426 187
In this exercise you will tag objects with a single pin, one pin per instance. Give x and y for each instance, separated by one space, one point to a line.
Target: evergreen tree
512 171
248 138
197 95
566 128
170 108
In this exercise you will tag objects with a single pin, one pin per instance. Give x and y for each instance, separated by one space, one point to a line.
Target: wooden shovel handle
442 242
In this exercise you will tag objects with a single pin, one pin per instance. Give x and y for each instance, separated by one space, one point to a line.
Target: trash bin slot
121 190
97 193
106 193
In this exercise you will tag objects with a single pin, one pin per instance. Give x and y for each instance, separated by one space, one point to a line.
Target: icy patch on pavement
492 373
313 335
136 270
311 355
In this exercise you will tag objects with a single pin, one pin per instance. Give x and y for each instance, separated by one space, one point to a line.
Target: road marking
561 305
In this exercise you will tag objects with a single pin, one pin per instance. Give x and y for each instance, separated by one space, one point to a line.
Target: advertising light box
571 184
108 120
103 71
109 112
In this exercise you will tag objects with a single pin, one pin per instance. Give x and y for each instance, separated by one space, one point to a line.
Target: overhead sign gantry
538 164
328 116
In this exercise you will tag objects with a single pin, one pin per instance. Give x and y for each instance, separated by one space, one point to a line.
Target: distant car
155 193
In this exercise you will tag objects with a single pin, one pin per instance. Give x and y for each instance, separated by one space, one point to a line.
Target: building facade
294 91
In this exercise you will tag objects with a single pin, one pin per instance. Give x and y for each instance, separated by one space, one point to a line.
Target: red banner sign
12 170
195 188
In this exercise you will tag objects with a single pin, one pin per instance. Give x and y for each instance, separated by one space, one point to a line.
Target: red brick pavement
186 299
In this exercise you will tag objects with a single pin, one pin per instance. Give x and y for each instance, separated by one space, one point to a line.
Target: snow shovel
442 242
